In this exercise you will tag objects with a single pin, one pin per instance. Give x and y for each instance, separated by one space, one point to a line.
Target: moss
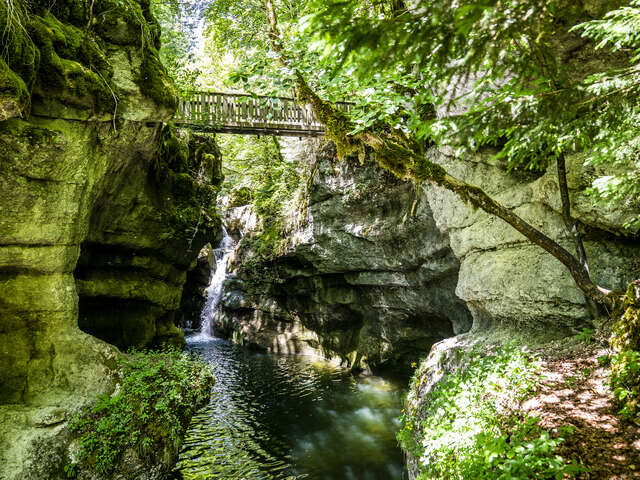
82 85
14 94
146 418
391 149
625 365
18 64
206 157
154 81
626 329
188 198
75 12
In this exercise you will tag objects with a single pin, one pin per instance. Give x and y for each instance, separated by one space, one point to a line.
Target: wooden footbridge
250 115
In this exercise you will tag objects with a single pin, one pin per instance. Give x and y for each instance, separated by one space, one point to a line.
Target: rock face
194 294
375 271
504 279
140 247
513 288
101 217
366 279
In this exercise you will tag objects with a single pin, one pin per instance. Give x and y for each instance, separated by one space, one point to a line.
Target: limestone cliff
506 280
104 209
366 278
374 271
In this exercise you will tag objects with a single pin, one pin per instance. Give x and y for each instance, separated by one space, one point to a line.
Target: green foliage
71 470
237 30
187 173
256 164
496 73
470 428
157 394
625 364
257 172
625 383
179 24
586 335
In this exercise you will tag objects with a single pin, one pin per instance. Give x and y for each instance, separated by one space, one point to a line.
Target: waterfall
214 290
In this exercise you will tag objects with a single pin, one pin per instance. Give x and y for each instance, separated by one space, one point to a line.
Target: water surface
282 417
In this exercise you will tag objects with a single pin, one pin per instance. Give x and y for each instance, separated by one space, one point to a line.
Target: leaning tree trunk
572 226
396 153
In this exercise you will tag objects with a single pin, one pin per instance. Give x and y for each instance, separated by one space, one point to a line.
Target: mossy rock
154 80
18 64
73 67
626 329
14 94
188 197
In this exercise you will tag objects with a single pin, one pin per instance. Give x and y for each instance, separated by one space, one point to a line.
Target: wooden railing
250 115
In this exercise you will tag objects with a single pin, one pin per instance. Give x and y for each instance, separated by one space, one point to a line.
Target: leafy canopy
494 73
469 73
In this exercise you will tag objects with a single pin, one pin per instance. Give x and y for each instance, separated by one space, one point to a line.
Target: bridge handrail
238 111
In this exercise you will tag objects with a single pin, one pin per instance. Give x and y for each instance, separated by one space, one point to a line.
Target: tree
502 59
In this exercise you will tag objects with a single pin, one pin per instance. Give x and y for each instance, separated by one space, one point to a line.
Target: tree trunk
569 221
572 226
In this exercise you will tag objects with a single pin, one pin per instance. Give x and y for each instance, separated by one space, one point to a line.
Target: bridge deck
250 115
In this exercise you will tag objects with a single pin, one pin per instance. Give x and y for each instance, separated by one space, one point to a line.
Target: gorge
350 311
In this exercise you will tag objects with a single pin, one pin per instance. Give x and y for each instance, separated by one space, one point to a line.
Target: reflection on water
277 418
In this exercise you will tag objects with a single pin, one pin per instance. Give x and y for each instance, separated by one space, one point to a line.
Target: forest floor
575 391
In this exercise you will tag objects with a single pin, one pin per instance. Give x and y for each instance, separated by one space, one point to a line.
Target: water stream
283 417
214 291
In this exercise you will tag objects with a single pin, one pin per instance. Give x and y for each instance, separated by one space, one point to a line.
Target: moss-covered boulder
81 60
136 432
626 329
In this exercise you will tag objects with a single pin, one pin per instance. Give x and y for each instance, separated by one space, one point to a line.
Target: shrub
148 413
625 383
625 364
470 428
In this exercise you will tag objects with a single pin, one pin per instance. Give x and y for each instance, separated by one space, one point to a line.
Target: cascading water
214 290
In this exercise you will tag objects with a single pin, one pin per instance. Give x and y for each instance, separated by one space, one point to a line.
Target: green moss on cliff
14 94
626 329
59 52
625 365
189 196
73 66
154 80
19 61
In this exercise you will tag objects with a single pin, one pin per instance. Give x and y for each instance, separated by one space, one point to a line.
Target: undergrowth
148 413
625 383
625 364
470 428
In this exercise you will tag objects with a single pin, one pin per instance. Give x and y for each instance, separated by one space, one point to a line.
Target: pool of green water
283 417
